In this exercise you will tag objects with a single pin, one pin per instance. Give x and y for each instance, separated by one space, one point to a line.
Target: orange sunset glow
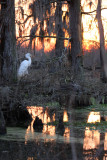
90 26
39 112
92 137
94 117
67 129
43 115
91 140
105 142
47 129
65 116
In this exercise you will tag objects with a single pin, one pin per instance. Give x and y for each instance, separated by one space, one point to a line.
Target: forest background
67 40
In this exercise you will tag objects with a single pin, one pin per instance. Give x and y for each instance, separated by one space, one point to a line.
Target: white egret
23 68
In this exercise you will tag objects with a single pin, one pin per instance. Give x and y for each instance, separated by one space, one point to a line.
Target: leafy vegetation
53 104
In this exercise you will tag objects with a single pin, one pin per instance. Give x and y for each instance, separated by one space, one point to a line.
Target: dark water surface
64 135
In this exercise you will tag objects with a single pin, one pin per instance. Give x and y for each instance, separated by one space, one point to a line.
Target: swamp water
66 134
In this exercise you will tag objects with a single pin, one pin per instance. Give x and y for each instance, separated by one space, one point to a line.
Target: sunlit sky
90 26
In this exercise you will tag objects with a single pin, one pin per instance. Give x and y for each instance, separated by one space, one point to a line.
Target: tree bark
9 42
103 55
2 123
59 31
75 33
2 31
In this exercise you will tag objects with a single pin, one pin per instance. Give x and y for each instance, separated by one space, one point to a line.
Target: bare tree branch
91 11
44 37
18 22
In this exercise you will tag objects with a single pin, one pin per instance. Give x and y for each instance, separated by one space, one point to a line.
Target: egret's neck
29 60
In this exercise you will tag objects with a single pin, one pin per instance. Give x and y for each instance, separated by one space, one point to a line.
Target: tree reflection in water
49 145
92 138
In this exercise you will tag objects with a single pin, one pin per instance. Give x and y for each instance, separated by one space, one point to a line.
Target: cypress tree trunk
9 42
2 123
59 31
2 31
103 55
75 33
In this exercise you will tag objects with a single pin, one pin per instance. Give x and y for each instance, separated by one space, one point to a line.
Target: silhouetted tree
103 55
59 30
75 33
8 41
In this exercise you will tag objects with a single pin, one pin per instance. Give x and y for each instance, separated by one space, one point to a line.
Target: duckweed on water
98 107
101 127
53 104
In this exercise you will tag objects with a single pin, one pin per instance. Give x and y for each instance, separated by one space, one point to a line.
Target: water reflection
67 134
30 158
94 117
65 116
105 142
93 139
105 156
48 129
90 143
44 116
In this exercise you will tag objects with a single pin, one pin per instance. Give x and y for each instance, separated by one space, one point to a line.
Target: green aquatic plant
53 104
55 123
93 101
98 107
100 126
103 98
